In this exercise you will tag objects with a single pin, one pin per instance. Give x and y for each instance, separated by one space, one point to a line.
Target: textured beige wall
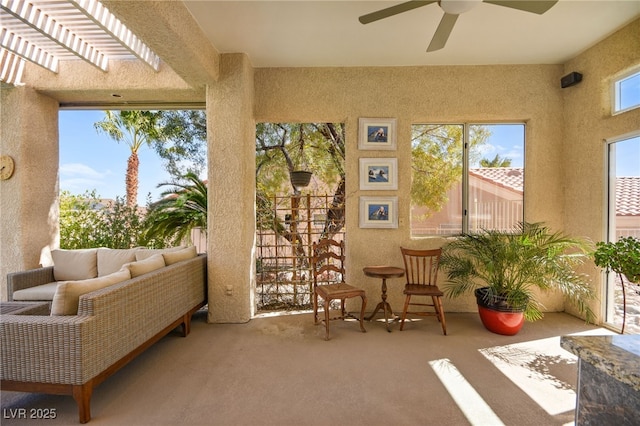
231 218
564 148
29 209
168 28
81 83
588 124
528 94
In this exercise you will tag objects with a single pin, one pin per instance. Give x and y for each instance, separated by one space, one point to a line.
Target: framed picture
378 212
377 133
378 173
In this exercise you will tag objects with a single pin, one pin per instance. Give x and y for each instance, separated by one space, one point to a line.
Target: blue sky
628 157
89 160
506 141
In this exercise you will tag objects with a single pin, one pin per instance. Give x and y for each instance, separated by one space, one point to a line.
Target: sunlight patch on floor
531 366
469 401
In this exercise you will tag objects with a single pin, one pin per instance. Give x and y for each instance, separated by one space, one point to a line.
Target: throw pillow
143 253
67 296
145 266
74 264
180 255
111 260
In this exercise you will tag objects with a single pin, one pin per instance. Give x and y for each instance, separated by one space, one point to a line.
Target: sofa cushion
67 296
111 260
177 256
145 253
145 266
74 264
39 292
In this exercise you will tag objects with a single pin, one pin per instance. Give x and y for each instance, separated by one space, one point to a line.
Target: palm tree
134 128
181 209
496 162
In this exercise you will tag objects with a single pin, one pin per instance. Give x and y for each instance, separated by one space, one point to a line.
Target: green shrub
86 221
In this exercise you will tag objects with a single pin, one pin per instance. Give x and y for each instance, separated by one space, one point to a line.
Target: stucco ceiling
328 33
303 33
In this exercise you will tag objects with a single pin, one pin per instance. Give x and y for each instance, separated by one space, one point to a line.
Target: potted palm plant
504 269
623 258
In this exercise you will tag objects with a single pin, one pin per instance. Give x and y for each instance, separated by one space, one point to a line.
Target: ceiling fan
452 9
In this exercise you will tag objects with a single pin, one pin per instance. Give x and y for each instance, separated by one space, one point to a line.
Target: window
623 202
626 92
466 177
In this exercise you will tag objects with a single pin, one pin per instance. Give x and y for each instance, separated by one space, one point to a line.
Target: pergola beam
31 15
97 13
11 67
26 50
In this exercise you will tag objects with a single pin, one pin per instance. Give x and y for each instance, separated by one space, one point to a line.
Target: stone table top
617 356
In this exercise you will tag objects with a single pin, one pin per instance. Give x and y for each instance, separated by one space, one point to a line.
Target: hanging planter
300 178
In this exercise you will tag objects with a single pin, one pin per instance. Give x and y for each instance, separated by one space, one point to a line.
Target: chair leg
404 311
442 322
315 308
326 319
436 306
364 305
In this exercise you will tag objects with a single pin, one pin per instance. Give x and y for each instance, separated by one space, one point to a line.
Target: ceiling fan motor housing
456 7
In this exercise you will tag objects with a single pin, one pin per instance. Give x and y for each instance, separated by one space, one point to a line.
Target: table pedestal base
383 272
388 313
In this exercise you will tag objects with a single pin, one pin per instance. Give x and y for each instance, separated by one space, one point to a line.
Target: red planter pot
506 323
498 319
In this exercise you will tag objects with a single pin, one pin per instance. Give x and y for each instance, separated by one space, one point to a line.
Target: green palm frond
182 208
515 263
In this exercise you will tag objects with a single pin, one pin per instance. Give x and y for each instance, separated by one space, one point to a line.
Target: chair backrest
327 262
421 266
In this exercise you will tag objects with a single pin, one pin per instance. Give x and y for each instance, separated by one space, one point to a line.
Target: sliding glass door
623 207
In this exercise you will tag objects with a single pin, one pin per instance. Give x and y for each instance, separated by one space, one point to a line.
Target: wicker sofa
71 354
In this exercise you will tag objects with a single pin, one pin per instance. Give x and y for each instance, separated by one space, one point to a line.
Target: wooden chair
327 264
421 270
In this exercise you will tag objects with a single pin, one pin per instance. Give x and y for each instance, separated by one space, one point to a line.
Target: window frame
465 190
616 88
609 228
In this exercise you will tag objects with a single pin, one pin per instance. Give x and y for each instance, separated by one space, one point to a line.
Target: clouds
506 140
79 169
92 161
78 178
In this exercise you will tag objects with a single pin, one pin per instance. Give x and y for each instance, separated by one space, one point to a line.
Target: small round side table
383 272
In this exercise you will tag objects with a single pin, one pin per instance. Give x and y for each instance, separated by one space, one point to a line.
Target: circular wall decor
7 166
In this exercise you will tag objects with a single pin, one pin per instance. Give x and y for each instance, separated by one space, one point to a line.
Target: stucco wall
29 209
529 94
231 203
564 149
588 124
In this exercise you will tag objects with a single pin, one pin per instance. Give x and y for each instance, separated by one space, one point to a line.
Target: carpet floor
279 370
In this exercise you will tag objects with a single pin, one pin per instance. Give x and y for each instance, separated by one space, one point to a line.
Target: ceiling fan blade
393 10
442 32
534 6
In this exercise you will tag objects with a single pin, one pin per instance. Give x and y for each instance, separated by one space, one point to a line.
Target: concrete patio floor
280 371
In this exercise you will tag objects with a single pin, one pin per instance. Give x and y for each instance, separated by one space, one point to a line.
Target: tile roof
628 196
507 177
627 187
